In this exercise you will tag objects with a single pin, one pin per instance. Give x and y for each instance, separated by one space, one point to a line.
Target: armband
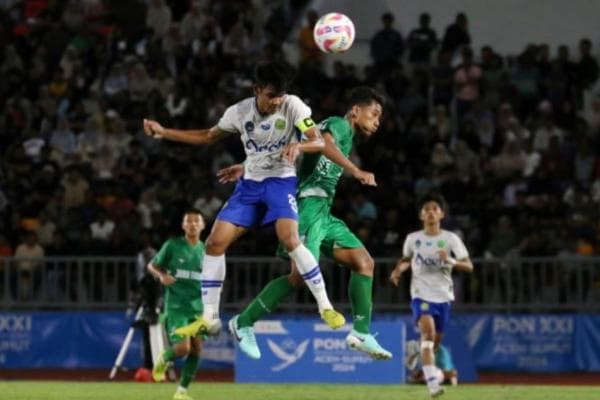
305 124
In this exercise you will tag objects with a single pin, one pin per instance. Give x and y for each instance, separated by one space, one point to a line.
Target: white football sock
213 275
311 273
431 377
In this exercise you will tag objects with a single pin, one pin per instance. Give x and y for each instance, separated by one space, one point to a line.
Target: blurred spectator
208 203
456 35
28 279
587 68
467 79
102 228
192 22
387 45
75 188
45 229
364 208
158 18
310 54
421 42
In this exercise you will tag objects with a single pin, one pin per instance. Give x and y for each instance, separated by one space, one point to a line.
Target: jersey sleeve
406 249
229 121
300 114
163 256
458 248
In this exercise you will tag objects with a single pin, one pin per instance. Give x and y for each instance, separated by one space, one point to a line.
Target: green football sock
360 292
189 370
169 355
267 300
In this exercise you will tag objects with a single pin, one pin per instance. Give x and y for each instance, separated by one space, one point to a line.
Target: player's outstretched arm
313 144
332 152
401 266
191 136
231 174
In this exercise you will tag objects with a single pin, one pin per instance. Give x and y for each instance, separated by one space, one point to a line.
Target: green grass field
34 390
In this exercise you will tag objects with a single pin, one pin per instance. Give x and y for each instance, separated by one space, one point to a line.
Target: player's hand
447 261
364 177
153 129
167 279
443 255
395 276
291 152
231 174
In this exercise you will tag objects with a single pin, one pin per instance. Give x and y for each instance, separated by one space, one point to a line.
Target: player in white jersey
432 253
267 126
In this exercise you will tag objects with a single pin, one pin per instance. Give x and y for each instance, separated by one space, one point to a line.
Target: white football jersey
264 136
431 278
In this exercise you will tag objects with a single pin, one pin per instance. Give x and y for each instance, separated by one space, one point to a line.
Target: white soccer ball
334 33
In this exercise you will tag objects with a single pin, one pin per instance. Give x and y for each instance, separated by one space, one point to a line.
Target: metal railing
542 284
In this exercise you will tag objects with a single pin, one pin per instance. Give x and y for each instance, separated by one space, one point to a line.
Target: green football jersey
184 262
318 175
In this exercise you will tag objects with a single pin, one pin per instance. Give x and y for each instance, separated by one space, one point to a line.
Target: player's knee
427 345
290 240
366 265
215 246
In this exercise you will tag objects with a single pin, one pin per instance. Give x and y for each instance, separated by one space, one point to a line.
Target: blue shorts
261 203
439 311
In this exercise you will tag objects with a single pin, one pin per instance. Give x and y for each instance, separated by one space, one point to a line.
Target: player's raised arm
332 152
190 136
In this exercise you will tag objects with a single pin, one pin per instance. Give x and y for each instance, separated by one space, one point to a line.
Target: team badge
441 244
280 124
424 306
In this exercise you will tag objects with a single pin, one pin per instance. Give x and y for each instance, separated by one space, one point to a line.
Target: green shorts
320 231
175 320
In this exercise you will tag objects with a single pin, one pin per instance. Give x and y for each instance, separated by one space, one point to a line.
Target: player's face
192 224
268 99
431 213
367 117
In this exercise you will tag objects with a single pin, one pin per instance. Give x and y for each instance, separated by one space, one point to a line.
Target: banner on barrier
310 351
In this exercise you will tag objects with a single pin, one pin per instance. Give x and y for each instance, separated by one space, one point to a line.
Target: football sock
267 300
430 378
169 355
213 274
360 292
311 273
189 370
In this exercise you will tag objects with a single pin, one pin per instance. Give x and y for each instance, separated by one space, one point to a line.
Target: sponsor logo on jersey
268 147
265 126
183 274
428 243
249 127
428 261
280 124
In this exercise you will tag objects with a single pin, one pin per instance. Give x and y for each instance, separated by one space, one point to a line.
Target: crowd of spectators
502 136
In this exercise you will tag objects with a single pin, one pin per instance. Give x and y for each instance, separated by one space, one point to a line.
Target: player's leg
282 208
222 235
241 326
180 345
422 312
360 291
190 366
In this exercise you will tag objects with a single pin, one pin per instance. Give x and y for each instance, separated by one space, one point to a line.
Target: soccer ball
334 33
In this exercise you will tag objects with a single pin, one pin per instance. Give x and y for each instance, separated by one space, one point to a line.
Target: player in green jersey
322 232
178 265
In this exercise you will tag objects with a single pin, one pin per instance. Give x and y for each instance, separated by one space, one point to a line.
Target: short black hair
433 197
192 210
364 95
273 73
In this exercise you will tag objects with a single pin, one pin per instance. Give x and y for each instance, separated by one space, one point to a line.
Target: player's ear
256 89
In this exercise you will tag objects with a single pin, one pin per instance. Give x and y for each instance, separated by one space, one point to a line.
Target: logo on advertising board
288 351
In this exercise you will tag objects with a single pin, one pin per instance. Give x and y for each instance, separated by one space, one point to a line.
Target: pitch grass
35 390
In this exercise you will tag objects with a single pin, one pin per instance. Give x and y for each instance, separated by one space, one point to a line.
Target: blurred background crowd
511 140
